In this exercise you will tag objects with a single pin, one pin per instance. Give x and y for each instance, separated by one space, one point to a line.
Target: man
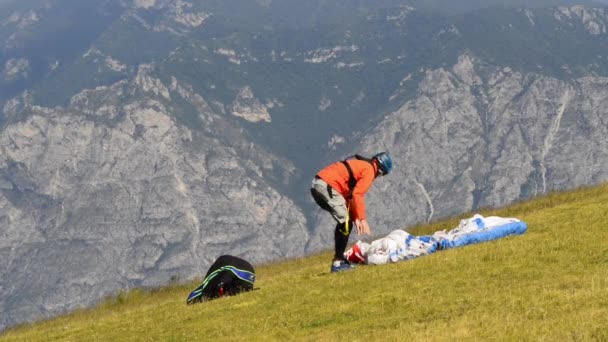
340 189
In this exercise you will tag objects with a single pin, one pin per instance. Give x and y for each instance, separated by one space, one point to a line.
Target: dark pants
331 201
341 239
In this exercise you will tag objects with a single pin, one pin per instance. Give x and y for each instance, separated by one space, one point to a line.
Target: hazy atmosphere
142 139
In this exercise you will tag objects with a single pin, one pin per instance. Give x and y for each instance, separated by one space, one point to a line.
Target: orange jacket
336 175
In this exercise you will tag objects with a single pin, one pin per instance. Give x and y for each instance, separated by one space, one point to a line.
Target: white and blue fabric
400 245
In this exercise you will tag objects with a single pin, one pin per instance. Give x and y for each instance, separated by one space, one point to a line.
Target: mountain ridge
176 135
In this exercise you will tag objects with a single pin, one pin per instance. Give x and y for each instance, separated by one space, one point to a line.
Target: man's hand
362 227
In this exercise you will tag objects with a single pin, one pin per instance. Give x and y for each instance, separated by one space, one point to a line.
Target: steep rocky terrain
171 132
111 193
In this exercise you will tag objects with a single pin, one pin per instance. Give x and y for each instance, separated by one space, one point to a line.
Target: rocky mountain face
111 192
481 136
182 131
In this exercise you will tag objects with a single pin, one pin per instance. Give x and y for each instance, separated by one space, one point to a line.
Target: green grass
550 284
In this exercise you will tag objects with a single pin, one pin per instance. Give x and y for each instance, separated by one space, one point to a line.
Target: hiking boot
341 265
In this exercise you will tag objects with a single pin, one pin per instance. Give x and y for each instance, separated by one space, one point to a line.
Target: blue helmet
385 163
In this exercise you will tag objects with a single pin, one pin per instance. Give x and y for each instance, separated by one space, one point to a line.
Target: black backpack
228 276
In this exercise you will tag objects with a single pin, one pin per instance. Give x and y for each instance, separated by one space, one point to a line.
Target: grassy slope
548 284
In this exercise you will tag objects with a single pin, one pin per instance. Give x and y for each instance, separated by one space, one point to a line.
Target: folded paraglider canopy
229 275
400 245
